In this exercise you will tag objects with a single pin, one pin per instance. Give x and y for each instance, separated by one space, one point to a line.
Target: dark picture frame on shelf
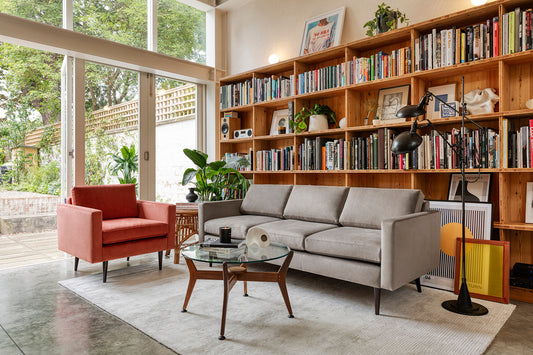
390 100
280 119
322 31
477 187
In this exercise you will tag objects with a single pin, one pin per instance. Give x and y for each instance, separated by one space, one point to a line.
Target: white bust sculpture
481 101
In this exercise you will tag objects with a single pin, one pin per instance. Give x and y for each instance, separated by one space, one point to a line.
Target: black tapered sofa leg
418 287
160 257
76 262
104 267
377 296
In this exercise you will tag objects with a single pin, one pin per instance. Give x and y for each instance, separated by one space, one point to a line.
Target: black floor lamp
407 142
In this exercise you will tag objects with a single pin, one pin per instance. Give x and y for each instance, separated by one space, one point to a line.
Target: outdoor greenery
125 164
214 181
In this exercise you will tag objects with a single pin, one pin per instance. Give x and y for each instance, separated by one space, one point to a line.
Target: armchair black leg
377 296
418 287
160 257
104 266
76 262
128 258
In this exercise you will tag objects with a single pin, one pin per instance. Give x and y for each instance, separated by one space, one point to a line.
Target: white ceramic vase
318 123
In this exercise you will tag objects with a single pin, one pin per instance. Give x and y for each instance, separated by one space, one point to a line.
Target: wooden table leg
282 273
245 266
192 282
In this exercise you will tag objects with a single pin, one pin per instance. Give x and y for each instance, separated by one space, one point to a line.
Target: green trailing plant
125 164
299 124
214 181
385 19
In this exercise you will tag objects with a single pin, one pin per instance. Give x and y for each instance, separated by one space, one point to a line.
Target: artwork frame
390 100
444 92
314 39
446 112
529 202
477 190
280 118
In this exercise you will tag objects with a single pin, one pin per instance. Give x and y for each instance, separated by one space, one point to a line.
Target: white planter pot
318 123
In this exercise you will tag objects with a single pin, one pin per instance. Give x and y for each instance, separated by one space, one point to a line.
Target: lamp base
475 310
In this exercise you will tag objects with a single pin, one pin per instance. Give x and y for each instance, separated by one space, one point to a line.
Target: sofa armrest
79 232
162 212
409 248
216 209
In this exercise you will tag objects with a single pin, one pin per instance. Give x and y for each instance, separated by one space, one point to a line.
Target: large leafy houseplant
385 19
299 124
216 180
125 164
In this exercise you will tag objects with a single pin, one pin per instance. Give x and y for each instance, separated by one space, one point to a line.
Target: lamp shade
406 142
411 111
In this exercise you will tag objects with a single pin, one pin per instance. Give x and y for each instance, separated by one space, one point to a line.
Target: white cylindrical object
257 236
318 123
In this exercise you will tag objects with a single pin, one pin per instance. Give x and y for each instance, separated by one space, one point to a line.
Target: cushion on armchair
127 229
115 201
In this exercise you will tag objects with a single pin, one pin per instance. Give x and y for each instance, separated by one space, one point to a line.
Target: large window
45 11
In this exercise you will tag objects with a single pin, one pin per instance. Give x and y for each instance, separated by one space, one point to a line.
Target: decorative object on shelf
257 237
300 119
230 123
529 202
370 107
191 196
407 142
243 133
322 31
481 101
385 19
445 93
342 123
216 180
529 103
280 119
446 111
478 225
477 187
225 234
389 102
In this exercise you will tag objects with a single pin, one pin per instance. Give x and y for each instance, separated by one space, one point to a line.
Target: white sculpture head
481 101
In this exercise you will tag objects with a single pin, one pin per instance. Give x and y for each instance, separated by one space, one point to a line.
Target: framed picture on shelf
322 31
390 100
446 112
444 92
477 187
280 122
529 202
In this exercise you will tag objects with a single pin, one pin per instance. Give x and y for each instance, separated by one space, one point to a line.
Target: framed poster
280 122
390 101
322 31
477 187
446 111
444 92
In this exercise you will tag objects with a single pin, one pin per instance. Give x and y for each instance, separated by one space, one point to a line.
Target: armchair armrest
216 209
163 212
409 247
79 232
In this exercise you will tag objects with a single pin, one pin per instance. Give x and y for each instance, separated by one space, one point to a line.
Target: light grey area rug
332 316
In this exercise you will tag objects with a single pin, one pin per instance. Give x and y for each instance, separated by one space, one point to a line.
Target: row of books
275 159
518 145
442 48
378 66
329 77
321 153
256 90
516 31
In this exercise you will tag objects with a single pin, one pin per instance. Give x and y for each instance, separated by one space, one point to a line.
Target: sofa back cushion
115 201
266 200
367 207
316 203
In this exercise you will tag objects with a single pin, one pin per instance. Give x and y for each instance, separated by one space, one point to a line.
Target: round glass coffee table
230 275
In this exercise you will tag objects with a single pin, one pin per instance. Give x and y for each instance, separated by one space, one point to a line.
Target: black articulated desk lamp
407 142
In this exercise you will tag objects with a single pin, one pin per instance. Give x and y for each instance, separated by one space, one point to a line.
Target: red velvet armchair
106 222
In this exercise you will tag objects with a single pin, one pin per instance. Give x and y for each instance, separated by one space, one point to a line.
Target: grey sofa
382 238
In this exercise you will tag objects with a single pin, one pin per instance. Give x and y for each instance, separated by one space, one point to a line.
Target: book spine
495 36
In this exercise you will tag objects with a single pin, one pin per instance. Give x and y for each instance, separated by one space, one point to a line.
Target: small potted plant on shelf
385 19
320 116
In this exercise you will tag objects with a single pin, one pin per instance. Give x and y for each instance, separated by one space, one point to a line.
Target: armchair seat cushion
239 224
127 229
347 242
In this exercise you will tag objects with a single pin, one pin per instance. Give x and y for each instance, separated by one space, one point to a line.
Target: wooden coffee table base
230 276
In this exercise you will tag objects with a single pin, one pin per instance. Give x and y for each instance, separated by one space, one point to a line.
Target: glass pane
111 136
181 31
44 11
122 21
175 131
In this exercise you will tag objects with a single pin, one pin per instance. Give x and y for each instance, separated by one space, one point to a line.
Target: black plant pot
191 196
382 23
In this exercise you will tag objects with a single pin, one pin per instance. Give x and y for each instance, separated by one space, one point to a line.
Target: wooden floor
29 248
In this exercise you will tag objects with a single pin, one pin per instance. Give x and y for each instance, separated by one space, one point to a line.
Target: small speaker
228 126
243 133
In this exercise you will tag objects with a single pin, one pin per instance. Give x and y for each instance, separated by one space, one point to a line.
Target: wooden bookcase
511 75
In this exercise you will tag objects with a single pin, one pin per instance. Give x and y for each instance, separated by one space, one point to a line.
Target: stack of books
220 250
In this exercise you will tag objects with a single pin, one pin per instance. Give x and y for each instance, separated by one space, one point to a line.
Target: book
215 243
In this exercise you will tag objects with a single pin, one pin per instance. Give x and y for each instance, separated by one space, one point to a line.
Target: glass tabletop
243 255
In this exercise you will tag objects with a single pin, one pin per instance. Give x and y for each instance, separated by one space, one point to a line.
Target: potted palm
125 164
385 19
320 116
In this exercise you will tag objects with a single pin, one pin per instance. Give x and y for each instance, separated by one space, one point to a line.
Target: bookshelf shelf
511 75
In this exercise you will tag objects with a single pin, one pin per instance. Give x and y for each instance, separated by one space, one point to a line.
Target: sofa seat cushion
266 200
321 204
347 242
127 229
239 224
293 232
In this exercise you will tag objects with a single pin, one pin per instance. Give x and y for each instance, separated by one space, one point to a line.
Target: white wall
258 28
